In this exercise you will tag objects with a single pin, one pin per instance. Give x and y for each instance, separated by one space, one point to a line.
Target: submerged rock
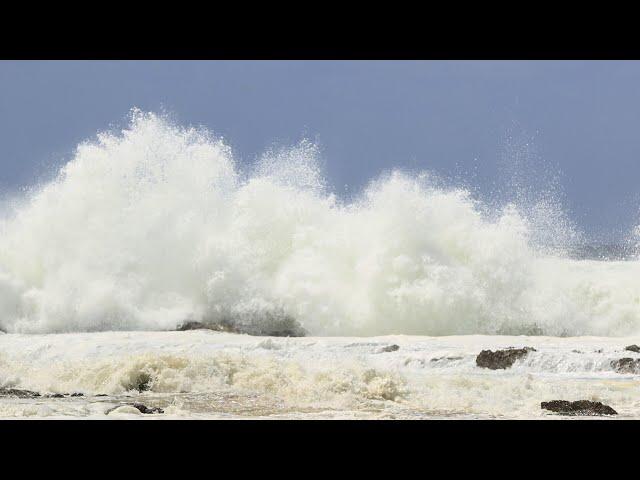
389 348
123 409
16 392
633 348
134 408
580 407
626 365
269 344
501 359
440 359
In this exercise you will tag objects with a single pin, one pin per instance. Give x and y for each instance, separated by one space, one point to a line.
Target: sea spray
157 225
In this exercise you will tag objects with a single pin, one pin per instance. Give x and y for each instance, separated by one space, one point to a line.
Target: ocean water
157 225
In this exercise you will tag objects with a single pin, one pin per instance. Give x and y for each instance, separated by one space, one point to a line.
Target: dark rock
138 406
102 395
266 324
15 392
390 348
193 326
147 410
222 326
501 359
580 407
633 348
626 365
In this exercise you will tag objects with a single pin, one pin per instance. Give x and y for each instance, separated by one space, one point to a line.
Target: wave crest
156 225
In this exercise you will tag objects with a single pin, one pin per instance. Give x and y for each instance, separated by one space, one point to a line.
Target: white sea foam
155 225
210 374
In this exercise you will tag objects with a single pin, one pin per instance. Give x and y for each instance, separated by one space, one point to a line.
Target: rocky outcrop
633 348
16 392
194 326
578 408
626 365
501 359
265 325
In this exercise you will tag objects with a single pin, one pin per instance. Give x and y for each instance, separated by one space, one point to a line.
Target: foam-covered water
155 225
205 374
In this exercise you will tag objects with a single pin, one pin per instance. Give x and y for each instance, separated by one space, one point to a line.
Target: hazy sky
480 121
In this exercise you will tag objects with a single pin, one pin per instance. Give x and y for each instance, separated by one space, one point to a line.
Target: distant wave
157 225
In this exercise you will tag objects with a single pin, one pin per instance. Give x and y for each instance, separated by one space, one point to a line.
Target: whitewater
156 226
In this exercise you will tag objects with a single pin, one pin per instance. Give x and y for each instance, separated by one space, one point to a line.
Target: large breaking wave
156 225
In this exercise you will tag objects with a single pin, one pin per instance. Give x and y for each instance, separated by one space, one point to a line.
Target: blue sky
479 121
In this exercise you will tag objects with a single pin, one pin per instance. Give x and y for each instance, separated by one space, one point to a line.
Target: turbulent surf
158 225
